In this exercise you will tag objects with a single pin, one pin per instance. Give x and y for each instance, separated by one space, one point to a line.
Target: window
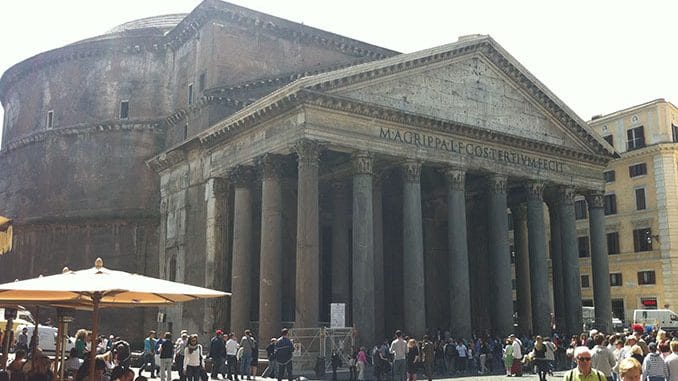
638 170
50 118
642 240
613 243
610 204
646 277
185 131
609 176
640 198
585 281
201 82
674 129
124 109
190 94
583 244
615 279
635 138
609 140
580 209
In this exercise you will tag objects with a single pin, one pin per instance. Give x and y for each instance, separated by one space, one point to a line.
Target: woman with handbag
193 359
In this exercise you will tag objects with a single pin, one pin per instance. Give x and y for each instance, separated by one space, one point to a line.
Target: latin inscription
469 149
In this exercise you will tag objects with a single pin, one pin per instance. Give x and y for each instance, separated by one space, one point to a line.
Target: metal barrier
313 348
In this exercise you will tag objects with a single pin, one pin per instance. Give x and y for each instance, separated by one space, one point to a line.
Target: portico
387 186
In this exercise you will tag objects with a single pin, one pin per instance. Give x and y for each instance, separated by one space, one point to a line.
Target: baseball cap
219 332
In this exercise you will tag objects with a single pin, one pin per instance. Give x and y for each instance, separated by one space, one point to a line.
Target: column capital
362 163
456 178
535 190
497 183
242 176
308 151
216 186
519 212
412 171
566 195
271 165
595 199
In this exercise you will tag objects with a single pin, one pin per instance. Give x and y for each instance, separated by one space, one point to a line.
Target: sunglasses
584 358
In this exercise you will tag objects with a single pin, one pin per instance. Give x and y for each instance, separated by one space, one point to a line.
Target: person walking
166 357
361 362
284 349
218 354
193 359
179 347
654 367
247 344
601 357
672 361
149 354
412 359
231 357
399 351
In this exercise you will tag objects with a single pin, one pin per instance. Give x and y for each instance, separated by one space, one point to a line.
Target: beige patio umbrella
99 287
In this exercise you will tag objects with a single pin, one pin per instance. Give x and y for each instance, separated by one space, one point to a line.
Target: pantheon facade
297 168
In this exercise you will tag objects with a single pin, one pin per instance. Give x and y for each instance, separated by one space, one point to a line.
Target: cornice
84 129
649 150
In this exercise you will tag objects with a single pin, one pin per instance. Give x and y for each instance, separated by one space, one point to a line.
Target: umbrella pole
95 318
35 337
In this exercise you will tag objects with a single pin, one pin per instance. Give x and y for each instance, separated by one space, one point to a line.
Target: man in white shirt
231 359
399 351
672 361
517 366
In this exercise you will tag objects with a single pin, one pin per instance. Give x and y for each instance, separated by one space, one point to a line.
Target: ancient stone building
294 167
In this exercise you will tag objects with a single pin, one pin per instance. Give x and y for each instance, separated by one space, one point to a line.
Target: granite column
522 266
599 262
363 249
340 259
414 298
459 280
270 265
241 278
501 290
307 303
570 260
541 317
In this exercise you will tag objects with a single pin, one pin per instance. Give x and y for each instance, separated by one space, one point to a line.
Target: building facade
297 168
641 215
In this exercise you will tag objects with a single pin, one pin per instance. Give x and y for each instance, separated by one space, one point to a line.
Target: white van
47 338
664 319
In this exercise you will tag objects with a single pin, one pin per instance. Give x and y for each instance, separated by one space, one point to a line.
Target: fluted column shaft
599 262
570 260
307 304
522 266
363 248
501 290
340 259
538 268
241 278
459 280
270 265
414 298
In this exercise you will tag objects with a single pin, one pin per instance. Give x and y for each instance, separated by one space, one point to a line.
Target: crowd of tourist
638 354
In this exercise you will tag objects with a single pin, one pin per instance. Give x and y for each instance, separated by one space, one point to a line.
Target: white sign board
337 315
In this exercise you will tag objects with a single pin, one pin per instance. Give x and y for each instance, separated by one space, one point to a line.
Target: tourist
583 371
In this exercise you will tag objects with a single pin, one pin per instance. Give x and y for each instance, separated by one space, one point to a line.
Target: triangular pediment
469 91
